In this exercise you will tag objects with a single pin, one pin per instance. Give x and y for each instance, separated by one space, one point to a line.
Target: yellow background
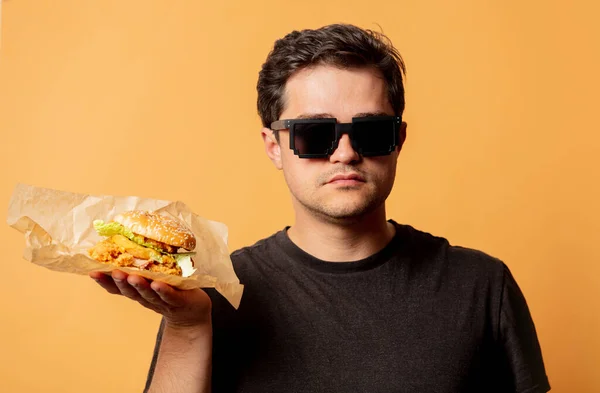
157 99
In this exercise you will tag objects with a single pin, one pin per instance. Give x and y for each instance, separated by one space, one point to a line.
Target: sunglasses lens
374 137
314 139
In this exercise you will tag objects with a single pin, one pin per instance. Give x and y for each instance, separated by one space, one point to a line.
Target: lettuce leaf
185 263
112 228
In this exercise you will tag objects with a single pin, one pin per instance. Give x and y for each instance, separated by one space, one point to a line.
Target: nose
344 152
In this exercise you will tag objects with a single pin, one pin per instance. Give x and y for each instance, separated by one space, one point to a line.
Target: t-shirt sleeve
518 340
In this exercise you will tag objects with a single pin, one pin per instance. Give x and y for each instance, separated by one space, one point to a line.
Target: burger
145 240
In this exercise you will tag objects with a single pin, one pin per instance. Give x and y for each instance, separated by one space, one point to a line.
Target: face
326 91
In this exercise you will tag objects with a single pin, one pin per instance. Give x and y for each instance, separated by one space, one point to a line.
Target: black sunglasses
318 138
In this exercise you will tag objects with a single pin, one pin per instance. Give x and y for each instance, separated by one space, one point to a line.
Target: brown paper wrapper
58 232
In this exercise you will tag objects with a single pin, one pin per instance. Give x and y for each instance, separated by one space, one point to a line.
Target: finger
120 279
168 294
106 282
118 275
97 275
146 292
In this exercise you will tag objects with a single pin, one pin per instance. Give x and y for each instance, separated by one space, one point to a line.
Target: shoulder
259 255
246 264
259 248
456 258
472 258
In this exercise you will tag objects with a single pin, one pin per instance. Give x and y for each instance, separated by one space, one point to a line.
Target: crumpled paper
58 232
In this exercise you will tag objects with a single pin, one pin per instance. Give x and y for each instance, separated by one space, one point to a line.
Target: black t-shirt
421 315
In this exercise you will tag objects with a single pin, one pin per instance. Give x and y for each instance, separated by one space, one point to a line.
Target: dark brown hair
340 45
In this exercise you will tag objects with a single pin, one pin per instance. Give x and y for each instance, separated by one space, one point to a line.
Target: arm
184 359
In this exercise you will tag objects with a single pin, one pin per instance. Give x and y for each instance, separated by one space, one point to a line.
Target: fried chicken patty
116 251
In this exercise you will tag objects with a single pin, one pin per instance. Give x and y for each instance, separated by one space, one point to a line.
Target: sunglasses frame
340 130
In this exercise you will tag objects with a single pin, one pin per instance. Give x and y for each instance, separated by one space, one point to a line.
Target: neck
344 240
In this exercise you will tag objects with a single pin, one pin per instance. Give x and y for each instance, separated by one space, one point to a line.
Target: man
344 300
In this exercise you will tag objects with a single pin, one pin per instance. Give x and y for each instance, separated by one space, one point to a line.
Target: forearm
184 362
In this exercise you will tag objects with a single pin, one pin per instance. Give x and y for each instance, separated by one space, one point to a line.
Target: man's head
341 46
341 72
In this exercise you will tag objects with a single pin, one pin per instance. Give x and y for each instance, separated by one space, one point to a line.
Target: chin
347 213
345 207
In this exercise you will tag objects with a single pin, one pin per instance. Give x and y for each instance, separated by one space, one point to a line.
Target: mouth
346 179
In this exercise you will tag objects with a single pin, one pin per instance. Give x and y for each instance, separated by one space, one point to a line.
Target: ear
272 147
402 133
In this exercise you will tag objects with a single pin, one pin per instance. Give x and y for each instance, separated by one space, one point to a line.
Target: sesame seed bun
158 227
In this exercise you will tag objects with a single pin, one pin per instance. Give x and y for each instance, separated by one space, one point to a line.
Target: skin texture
336 222
333 221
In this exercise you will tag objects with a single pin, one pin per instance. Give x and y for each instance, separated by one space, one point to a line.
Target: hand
180 308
